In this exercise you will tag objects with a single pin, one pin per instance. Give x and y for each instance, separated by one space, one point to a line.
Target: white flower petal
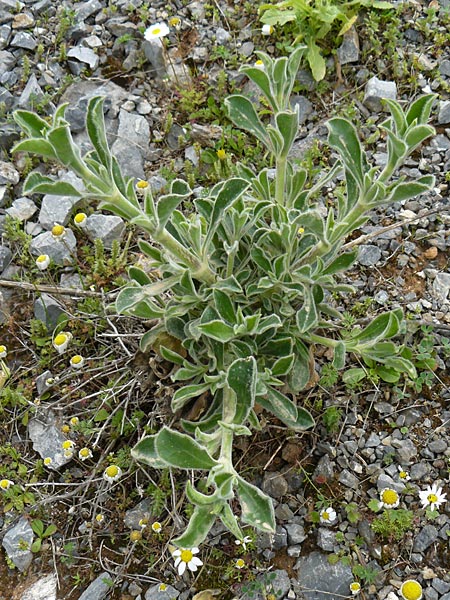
196 561
181 568
192 566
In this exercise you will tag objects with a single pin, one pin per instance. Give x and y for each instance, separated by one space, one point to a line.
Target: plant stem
228 412
280 180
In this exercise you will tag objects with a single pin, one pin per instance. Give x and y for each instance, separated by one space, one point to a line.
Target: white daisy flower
403 475
389 498
84 453
3 351
42 261
355 588
267 29
77 361
61 341
243 542
158 30
327 515
432 497
112 473
411 590
5 484
157 527
258 64
185 558
240 563
80 219
58 231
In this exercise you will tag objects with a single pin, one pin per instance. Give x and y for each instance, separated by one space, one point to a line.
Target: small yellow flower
141 186
135 536
389 498
99 518
3 351
58 231
74 421
157 527
162 587
77 361
411 590
221 154
240 563
47 461
112 473
175 22
80 219
300 231
42 261
68 445
84 453
61 341
259 64
355 588
5 484
185 558
403 475
143 522
65 429
267 29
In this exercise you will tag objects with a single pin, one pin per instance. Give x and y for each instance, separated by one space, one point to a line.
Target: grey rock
275 541
305 107
13 543
426 536
443 115
42 382
58 209
62 252
190 153
48 310
373 440
222 35
140 511
440 142
43 589
348 479
276 583
440 585
8 60
384 481
296 533
98 589
438 446
104 227
157 183
47 438
348 51
376 90
175 133
247 49
274 484
326 539
31 94
84 55
22 209
154 53
23 20
119 26
366 532
441 287
5 257
131 145
5 34
197 10
86 9
9 134
25 40
319 580
6 98
324 469
430 594
419 471
8 174
368 255
405 452
154 593
381 297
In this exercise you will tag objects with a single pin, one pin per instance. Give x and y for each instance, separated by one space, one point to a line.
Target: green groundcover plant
315 20
245 280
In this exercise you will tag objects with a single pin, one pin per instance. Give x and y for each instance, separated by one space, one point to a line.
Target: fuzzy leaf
198 528
257 508
184 394
217 330
95 126
145 452
181 451
35 126
243 114
36 183
241 377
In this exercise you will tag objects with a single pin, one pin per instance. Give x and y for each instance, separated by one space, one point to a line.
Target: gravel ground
368 438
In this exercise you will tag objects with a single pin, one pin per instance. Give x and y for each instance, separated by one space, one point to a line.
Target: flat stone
275 485
86 9
140 511
348 52
275 583
104 227
43 589
443 115
376 90
42 384
426 536
438 446
441 287
25 40
440 585
23 21
62 252
440 142
15 539
84 55
98 589
384 481
5 34
326 539
45 433
154 593
31 94
22 209
8 60
405 452
5 257
320 580
222 35
324 469
296 533
348 479
154 53
444 68
131 145
48 310
6 98
58 209
368 255
8 174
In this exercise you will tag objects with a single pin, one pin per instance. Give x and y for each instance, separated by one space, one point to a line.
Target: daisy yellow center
99 518
186 556
157 31
79 218
389 497
240 563
326 516
354 586
85 452
4 484
403 474
174 21
162 587
432 498
42 258
156 527
65 429
221 154
76 359
60 339
142 184
112 471
411 590
58 230
300 231
259 62
47 461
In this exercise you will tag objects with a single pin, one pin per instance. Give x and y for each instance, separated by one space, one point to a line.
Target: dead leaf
207 595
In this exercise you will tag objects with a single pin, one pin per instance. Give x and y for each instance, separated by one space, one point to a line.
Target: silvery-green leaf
228 518
184 394
217 330
241 377
37 146
243 114
198 528
95 126
145 452
36 183
419 111
181 451
256 507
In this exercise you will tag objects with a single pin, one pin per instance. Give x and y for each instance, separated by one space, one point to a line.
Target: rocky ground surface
164 114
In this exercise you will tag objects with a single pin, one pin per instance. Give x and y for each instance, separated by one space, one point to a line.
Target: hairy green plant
314 20
245 280
393 524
